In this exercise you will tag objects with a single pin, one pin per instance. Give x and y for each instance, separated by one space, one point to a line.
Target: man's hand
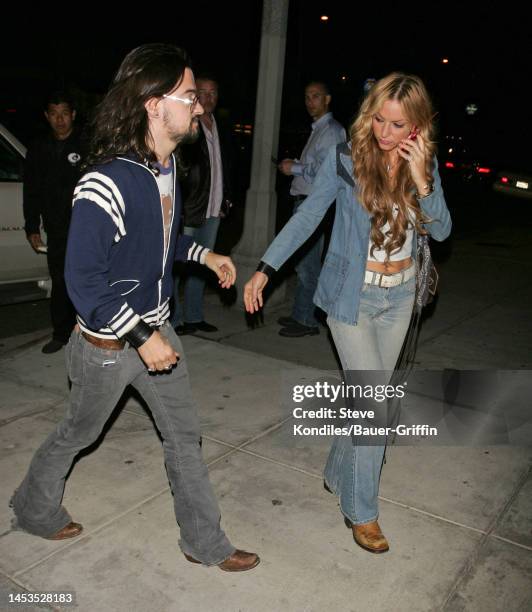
157 353
36 241
223 267
286 167
253 292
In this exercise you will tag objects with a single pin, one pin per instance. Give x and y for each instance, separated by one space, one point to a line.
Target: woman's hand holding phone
412 149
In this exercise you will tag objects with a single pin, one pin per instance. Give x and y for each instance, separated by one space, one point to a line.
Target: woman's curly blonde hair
375 190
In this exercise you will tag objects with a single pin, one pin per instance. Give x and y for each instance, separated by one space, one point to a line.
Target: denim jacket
342 274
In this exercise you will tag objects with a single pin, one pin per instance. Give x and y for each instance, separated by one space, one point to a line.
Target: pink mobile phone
413 134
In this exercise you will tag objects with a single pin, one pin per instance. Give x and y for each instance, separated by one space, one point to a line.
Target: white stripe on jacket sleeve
197 253
124 321
101 190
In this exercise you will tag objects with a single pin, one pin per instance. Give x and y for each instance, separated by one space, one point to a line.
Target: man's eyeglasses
190 102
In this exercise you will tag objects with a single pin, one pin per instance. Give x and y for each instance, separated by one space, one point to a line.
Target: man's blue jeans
195 276
99 377
308 270
353 470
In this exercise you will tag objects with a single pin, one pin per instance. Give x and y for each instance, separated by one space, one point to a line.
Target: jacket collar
132 157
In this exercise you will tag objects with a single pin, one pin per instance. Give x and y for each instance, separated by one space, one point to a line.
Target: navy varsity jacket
117 271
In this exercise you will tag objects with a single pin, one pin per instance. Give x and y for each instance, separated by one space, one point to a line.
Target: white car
23 273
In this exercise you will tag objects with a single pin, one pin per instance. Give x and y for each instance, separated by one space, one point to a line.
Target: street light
324 18
445 60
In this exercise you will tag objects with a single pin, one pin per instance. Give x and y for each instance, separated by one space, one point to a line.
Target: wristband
139 334
266 269
430 187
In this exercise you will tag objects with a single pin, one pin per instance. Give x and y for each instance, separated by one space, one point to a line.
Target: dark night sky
488 45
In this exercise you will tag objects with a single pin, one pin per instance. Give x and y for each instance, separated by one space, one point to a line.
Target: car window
11 163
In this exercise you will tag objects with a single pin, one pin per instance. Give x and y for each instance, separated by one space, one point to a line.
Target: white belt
389 280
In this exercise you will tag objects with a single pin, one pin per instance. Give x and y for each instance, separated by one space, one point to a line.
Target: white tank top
403 253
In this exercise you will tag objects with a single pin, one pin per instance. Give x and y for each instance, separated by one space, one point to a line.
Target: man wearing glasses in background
205 190
122 244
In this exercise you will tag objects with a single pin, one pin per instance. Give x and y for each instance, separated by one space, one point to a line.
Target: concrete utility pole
261 199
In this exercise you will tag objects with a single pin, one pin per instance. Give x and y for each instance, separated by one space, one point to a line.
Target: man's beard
191 135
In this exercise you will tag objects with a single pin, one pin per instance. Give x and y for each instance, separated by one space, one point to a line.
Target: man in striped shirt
123 241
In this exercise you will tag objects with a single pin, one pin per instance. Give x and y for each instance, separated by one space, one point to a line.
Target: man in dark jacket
51 172
123 241
205 193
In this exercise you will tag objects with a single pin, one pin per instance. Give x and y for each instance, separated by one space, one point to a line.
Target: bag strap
343 149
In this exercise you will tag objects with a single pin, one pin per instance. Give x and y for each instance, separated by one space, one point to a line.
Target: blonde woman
387 191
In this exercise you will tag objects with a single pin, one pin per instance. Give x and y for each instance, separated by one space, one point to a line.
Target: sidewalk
458 519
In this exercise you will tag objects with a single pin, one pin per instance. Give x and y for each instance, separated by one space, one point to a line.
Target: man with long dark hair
122 244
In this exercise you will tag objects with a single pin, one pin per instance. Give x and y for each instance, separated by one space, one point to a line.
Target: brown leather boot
369 536
68 531
239 561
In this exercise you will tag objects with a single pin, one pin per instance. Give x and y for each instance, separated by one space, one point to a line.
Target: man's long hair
375 191
120 123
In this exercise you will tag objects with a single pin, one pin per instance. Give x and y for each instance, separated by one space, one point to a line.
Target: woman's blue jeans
353 470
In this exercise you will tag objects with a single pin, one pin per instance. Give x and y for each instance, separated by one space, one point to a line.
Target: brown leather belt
113 345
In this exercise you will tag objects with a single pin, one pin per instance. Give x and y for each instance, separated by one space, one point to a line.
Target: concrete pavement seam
431 515
84 535
280 463
234 450
19 583
496 537
385 499
469 564
99 528
254 438
29 589
212 439
241 448
30 414
30 385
